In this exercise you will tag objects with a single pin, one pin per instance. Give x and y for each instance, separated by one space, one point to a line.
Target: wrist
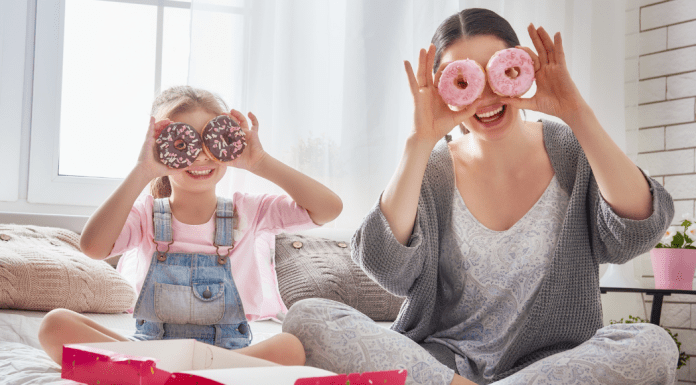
144 173
418 144
578 115
261 166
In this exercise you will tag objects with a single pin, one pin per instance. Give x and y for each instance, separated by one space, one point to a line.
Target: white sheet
23 361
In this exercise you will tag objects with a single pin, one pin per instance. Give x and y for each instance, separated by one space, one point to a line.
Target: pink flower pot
673 268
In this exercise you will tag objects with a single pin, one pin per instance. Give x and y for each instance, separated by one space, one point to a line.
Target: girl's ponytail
160 187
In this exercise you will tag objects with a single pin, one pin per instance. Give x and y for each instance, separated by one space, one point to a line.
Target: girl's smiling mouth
200 173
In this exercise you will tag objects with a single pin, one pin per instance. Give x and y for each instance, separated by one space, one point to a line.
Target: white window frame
45 184
13 29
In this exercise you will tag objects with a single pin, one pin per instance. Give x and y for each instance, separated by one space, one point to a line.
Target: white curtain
327 82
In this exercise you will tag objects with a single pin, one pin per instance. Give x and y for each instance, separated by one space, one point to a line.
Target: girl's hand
432 118
148 160
252 155
556 92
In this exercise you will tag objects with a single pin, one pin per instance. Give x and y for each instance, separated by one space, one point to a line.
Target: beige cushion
42 268
313 267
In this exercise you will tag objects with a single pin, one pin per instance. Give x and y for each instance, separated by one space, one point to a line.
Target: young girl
189 241
495 238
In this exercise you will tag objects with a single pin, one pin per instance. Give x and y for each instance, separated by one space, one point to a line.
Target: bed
22 360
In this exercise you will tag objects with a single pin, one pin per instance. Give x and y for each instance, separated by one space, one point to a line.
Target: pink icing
467 70
501 61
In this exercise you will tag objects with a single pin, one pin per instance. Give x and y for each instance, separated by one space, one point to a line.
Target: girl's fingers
254 121
239 117
422 64
538 44
158 127
560 53
412 82
430 60
535 58
548 45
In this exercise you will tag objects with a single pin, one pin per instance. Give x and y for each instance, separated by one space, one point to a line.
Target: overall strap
162 216
225 220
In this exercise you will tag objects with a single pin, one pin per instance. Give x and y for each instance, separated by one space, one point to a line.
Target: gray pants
339 338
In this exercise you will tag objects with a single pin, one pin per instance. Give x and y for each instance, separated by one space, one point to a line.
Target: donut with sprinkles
223 139
178 145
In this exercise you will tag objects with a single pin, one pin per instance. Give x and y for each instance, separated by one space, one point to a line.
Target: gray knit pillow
42 268
313 267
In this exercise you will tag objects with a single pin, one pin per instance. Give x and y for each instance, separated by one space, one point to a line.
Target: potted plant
674 258
683 357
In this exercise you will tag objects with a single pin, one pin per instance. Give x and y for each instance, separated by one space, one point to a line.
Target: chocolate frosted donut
223 139
178 145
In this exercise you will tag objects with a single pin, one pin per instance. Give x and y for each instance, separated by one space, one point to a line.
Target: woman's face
204 173
481 48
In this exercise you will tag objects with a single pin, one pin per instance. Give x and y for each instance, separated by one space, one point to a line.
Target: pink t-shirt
261 217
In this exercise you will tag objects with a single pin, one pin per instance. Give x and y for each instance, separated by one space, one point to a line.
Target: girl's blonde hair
177 100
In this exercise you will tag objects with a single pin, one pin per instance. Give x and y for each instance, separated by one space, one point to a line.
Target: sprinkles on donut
223 139
178 145
510 72
461 82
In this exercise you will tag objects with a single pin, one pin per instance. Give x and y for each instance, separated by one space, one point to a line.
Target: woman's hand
252 155
556 93
148 161
432 118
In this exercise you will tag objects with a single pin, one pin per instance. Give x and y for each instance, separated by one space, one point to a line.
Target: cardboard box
174 362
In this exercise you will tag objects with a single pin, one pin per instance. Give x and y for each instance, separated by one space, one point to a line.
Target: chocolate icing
223 139
178 145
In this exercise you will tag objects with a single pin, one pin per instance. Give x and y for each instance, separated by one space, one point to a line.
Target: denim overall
191 295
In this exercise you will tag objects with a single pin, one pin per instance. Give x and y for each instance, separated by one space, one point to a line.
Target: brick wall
660 111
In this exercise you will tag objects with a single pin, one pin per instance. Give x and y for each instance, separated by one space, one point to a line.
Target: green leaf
678 240
690 247
686 224
687 239
660 246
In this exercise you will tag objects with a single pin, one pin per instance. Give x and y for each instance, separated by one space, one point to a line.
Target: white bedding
23 361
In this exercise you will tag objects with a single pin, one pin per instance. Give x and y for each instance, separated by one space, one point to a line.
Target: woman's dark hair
468 23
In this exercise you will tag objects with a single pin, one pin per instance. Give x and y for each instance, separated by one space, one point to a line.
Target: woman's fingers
422 64
548 45
521 103
430 60
412 82
438 74
560 53
467 111
537 44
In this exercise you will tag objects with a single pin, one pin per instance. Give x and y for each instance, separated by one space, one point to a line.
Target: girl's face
204 173
481 48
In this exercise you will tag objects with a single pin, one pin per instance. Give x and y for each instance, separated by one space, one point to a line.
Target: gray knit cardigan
567 310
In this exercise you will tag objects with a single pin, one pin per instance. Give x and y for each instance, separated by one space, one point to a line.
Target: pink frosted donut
461 82
510 72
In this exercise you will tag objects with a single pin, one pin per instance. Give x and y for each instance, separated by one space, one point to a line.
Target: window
98 65
13 18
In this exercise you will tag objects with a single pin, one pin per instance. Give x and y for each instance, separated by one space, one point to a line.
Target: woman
495 239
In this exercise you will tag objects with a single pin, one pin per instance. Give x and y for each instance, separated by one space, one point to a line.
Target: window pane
176 39
107 86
